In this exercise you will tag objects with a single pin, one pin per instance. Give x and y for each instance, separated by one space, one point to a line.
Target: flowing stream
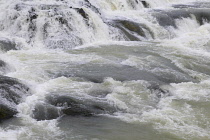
106 69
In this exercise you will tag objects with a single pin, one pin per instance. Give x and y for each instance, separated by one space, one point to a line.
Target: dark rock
77 106
58 104
95 9
158 91
145 4
82 13
202 15
12 92
2 64
32 14
32 23
6 45
99 91
193 5
167 18
62 20
132 29
6 112
44 111
4 68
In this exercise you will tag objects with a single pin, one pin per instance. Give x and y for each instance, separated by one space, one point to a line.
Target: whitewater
104 70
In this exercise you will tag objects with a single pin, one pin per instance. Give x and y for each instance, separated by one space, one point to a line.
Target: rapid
105 69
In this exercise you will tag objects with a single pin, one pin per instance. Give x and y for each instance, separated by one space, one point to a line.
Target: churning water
106 69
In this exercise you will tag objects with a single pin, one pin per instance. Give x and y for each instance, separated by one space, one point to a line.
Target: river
107 69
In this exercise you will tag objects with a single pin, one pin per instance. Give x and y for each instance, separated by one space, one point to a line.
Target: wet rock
32 28
82 13
145 4
4 68
62 20
77 106
7 45
32 14
167 18
6 112
132 29
2 63
97 73
89 5
158 91
202 15
44 111
12 92
58 104
99 91
193 5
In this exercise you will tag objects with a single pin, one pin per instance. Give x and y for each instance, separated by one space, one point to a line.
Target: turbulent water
107 69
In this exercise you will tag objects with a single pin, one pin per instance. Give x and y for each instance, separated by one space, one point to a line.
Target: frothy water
105 70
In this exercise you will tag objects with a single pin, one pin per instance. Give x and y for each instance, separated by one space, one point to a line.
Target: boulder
6 112
72 106
58 104
12 92
45 111
7 45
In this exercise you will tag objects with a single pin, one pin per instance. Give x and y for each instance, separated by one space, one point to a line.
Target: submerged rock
12 92
98 72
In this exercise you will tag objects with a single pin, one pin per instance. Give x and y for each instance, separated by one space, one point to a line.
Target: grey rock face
12 92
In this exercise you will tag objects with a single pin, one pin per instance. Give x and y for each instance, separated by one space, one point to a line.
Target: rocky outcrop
12 92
